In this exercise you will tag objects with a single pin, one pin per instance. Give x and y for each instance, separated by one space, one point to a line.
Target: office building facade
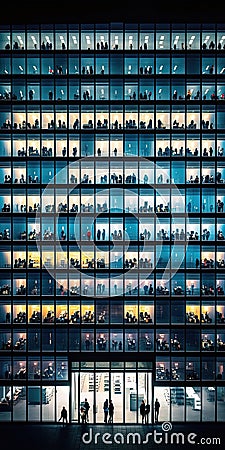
112 228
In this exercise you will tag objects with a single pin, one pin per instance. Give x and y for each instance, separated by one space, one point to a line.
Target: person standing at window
88 235
157 406
111 411
87 407
83 414
106 410
147 411
142 411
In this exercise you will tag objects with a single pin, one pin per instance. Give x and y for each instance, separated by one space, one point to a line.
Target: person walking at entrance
106 410
157 406
111 411
87 407
142 411
63 415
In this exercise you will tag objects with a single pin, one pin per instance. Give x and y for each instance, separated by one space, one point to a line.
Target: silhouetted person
147 411
106 410
157 406
111 411
87 343
63 415
83 414
142 411
87 407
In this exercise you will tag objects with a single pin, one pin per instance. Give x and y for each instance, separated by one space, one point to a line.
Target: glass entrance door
126 389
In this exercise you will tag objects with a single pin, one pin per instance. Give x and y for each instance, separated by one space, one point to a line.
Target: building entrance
125 388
